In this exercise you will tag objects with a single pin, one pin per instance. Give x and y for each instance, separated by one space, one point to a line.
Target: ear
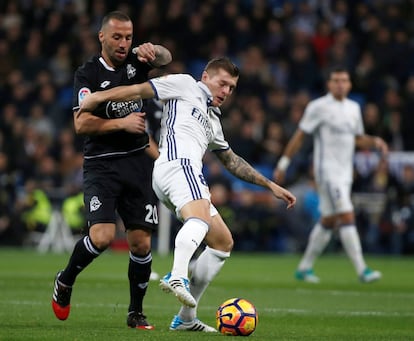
205 76
100 36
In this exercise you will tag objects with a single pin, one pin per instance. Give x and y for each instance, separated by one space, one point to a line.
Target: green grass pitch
339 308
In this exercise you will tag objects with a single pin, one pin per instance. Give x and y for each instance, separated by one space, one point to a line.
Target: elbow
79 128
168 58
163 56
78 131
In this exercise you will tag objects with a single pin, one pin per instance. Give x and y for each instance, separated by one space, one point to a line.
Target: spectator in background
59 116
33 61
222 199
233 122
11 233
343 50
13 128
274 39
60 65
401 47
322 41
277 104
372 118
396 225
244 143
366 77
407 124
303 74
18 92
34 208
7 64
255 72
392 132
336 12
197 32
55 31
41 123
272 144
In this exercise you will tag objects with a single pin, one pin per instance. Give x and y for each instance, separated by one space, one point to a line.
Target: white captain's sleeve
171 86
311 118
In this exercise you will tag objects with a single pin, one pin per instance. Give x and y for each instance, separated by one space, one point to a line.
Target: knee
229 245
102 237
140 248
139 242
224 244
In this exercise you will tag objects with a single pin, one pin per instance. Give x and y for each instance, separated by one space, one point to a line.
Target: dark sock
139 272
83 254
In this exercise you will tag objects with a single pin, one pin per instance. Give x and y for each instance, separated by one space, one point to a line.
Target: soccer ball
236 316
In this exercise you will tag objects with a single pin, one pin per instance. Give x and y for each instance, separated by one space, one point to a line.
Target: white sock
318 239
188 239
206 267
352 246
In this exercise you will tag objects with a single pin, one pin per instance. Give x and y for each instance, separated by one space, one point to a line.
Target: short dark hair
223 63
118 15
336 69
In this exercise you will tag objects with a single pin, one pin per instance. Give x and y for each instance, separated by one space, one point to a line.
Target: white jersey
334 125
189 126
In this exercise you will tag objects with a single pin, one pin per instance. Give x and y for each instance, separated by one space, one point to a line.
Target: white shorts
334 198
178 182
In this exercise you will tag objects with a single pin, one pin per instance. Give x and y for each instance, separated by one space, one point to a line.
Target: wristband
283 163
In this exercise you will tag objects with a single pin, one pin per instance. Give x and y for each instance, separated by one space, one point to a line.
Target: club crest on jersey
94 204
82 93
131 71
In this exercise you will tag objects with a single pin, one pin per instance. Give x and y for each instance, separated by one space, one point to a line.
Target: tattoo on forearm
240 168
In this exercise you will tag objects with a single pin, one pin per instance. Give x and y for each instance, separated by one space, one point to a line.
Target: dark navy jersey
97 75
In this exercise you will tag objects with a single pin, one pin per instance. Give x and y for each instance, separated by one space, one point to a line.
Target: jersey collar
332 98
209 96
105 64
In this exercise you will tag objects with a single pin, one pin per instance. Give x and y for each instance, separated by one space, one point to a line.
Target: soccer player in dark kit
117 170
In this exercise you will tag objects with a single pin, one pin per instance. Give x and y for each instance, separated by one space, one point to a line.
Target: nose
122 42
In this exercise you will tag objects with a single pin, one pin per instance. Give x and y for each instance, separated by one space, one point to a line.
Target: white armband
283 163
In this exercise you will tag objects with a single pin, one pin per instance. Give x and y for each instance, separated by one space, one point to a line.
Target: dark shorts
120 185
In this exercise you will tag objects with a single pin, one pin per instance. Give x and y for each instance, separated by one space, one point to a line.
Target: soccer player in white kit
190 125
336 125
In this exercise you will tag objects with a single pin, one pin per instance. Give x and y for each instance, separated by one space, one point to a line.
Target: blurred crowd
283 49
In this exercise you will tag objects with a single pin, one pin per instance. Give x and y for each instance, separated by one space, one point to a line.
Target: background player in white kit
336 125
191 125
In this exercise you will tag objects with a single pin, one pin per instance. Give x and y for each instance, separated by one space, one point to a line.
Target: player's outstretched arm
119 93
291 149
368 141
243 170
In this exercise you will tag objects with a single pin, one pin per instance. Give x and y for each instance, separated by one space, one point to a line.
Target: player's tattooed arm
243 170
240 168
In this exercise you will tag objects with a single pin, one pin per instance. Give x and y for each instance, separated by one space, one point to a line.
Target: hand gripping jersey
189 125
334 125
97 75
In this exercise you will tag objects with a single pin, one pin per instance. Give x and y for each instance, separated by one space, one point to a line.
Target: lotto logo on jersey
82 93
